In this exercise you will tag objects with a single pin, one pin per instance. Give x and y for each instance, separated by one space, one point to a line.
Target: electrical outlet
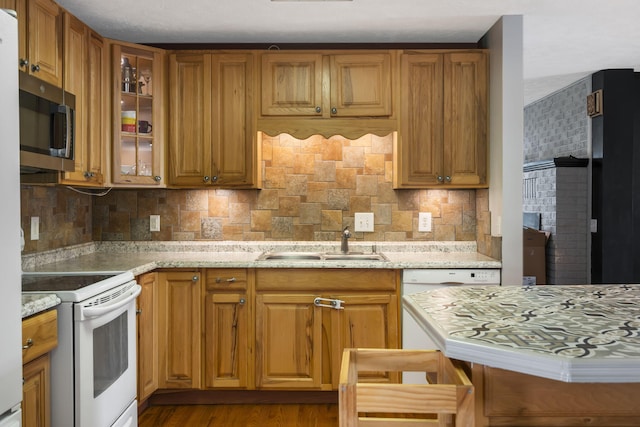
364 221
424 222
35 227
154 223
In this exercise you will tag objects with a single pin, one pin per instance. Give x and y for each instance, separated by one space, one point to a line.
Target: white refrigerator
10 262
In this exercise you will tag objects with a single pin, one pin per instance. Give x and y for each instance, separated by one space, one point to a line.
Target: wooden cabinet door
419 154
361 85
147 336
465 118
45 41
292 84
36 395
366 321
226 340
83 77
233 127
288 341
190 156
179 339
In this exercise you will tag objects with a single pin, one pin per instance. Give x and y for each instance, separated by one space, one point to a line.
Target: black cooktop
59 282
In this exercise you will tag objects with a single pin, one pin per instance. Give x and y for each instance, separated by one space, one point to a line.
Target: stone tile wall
311 190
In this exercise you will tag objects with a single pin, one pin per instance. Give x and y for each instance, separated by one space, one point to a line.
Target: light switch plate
154 223
364 221
35 227
424 222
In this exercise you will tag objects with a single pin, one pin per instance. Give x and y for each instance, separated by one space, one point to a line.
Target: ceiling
564 40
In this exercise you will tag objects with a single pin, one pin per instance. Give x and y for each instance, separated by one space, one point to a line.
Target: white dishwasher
420 280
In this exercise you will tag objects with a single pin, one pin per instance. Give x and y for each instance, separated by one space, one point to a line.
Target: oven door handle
104 309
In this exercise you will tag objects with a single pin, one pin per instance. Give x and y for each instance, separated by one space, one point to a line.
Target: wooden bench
448 399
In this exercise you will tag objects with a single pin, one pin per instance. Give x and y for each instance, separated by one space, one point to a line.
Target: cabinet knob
194 278
318 110
447 178
28 345
440 178
242 301
24 62
334 110
35 68
206 178
157 178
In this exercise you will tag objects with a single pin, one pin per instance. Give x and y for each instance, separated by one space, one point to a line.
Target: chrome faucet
344 245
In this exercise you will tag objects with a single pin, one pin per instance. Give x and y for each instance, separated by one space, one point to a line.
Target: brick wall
558 126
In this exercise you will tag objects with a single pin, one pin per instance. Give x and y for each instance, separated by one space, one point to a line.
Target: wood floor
270 415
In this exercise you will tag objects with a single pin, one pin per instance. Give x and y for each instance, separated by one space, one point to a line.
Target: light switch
35 227
364 221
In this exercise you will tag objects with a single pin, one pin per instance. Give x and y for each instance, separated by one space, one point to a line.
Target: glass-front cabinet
138 136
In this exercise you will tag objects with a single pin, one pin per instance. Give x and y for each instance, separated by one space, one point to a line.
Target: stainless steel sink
290 256
318 256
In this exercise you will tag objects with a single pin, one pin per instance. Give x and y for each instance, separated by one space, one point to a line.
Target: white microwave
47 122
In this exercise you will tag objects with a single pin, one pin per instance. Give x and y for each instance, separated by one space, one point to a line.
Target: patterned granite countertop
140 257
36 303
585 333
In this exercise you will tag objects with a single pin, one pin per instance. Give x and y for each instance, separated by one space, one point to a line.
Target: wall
65 217
506 95
557 125
311 190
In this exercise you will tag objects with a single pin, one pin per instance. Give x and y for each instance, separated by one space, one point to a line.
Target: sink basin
290 256
317 256
355 257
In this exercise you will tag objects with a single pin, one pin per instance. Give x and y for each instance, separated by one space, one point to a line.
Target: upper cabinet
213 138
40 38
319 85
443 131
138 115
84 77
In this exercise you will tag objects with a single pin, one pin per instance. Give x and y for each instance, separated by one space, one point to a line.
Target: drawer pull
229 280
28 345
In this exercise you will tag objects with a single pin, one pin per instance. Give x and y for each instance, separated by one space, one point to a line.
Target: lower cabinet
179 326
36 394
228 335
147 316
39 337
268 329
306 318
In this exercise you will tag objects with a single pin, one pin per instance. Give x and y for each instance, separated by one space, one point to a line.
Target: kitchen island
542 355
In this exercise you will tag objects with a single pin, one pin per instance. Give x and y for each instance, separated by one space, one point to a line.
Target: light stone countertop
141 257
36 303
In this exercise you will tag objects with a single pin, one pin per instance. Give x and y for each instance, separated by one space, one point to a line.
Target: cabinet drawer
226 279
326 280
39 335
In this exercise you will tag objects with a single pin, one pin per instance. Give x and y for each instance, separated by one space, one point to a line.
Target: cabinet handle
24 62
318 110
336 304
440 179
28 345
138 311
334 110
447 178
89 175
194 278
206 178
242 301
229 280
35 68
157 178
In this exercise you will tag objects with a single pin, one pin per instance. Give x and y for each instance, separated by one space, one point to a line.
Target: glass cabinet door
137 144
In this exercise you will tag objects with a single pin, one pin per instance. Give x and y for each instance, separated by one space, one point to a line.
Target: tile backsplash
311 190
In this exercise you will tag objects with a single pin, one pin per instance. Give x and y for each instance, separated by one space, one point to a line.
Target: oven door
105 356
